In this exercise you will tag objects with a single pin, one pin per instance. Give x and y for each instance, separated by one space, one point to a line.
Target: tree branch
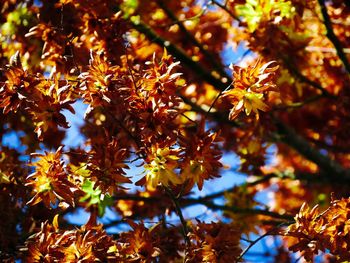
224 7
217 116
294 140
201 72
208 55
268 233
179 54
179 212
238 210
332 37
299 104
221 193
186 202
291 67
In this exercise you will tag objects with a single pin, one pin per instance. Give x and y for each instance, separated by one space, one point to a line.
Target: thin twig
268 233
224 7
299 104
246 211
129 68
216 116
120 123
179 212
253 183
246 240
61 18
188 118
217 97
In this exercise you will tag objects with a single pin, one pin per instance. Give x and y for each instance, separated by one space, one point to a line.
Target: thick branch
204 51
179 54
292 69
327 165
332 37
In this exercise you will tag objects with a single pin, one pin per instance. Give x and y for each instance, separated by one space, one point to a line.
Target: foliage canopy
161 95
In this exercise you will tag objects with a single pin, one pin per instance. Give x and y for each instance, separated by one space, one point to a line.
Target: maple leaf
141 244
256 11
316 231
214 242
50 180
93 195
250 87
52 99
107 166
160 167
201 156
159 81
15 90
51 244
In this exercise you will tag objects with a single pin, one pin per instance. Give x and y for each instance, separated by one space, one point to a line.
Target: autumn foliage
172 89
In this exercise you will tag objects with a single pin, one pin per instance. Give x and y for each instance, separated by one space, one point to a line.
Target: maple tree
161 96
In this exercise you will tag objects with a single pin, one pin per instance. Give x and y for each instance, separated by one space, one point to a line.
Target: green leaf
253 11
105 202
90 193
251 15
128 7
94 196
81 170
